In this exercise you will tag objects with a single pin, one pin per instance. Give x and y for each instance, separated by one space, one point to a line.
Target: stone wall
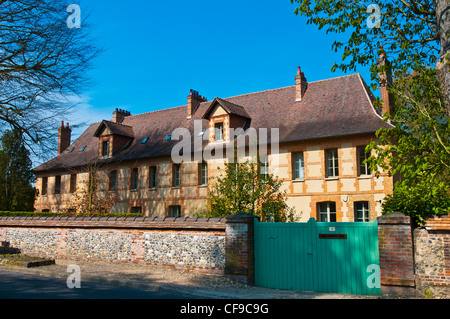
432 256
193 243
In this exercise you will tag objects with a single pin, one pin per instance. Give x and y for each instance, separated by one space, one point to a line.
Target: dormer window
105 148
113 138
218 131
223 116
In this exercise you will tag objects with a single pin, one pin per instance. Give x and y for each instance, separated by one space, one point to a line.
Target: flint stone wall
194 243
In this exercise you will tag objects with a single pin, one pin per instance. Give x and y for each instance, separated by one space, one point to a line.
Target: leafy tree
414 34
417 149
243 189
43 66
16 176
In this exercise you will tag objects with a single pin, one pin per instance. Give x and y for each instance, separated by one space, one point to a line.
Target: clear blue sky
157 50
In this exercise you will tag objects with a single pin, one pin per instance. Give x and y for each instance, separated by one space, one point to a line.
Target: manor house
320 130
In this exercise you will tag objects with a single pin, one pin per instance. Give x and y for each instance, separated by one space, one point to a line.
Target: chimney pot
300 85
64 135
119 115
193 100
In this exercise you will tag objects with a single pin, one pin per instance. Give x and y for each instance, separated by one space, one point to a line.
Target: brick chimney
385 79
119 115
300 85
193 100
64 133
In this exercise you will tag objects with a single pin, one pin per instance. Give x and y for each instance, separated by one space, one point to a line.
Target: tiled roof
115 128
334 107
229 107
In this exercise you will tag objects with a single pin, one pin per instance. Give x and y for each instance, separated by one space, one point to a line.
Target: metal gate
316 256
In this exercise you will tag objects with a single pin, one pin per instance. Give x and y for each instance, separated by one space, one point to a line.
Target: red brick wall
396 250
239 246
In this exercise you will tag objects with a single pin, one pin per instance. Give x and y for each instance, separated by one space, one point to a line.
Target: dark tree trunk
442 8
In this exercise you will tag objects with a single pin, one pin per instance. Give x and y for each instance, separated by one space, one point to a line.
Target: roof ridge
231 102
161 110
115 123
289 86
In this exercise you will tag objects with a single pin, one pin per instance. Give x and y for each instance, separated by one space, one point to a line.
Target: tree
417 149
243 189
43 65
93 197
16 192
414 35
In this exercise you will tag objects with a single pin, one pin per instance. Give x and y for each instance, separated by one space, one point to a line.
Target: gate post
396 253
239 247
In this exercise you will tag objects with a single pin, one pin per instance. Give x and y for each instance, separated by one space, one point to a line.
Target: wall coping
438 223
163 223
395 218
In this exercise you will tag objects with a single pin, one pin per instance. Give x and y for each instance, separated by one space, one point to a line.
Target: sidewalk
170 280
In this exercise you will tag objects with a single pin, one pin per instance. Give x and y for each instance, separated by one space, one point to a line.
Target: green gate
316 256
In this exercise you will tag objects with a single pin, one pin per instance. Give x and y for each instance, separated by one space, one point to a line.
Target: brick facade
396 251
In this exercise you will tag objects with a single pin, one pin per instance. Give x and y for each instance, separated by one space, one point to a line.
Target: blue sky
157 50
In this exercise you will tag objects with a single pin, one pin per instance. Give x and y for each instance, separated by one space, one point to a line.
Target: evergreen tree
16 176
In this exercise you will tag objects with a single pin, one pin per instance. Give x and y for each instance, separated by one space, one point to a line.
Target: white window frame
327 212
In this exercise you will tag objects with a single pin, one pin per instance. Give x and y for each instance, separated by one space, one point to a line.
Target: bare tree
43 64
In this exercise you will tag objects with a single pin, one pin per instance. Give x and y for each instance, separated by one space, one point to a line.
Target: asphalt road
24 286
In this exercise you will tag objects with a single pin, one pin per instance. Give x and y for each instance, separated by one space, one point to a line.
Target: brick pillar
239 247
396 252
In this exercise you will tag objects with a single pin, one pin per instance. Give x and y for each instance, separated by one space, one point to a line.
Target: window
362 212
144 140
363 168
264 167
168 137
58 184
134 178
44 185
82 149
136 210
327 211
175 211
71 149
105 148
203 173
113 181
298 165
73 183
153 176
176 178
332 163
218 131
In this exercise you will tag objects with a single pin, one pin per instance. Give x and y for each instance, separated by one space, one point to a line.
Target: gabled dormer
112 137
223 116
